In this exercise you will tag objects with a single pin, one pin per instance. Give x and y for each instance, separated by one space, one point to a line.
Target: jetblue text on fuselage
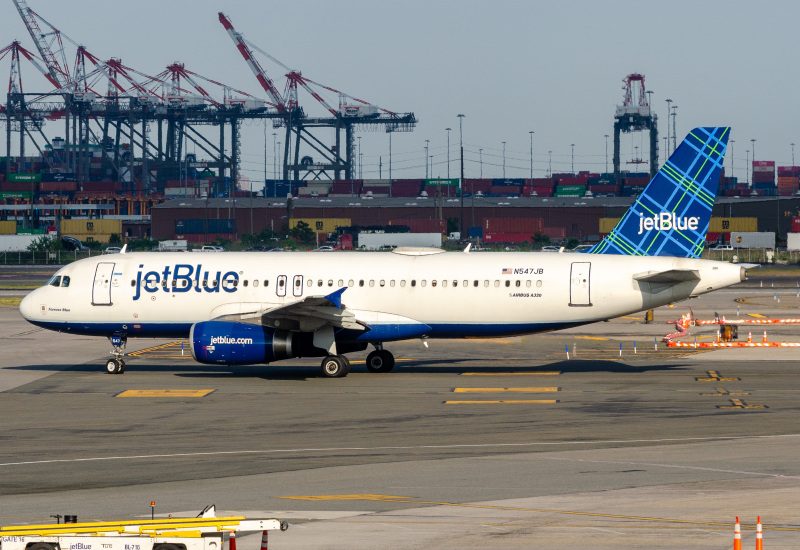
667 221
183 278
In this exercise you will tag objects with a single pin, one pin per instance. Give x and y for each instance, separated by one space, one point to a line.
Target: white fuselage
456 294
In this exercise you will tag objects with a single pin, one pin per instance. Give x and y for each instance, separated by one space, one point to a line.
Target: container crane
635 115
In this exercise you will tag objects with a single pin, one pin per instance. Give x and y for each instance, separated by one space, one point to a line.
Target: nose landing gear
117 365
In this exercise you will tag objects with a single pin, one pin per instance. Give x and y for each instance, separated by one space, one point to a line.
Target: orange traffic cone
759 541
765 336
264 540
749 336
232 542
737 535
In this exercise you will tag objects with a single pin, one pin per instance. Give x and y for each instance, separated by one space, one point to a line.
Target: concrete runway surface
478 443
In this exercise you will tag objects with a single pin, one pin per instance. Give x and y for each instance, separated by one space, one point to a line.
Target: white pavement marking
405 448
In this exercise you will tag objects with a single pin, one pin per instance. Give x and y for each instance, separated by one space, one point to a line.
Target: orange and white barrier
748 344
737 535
759 535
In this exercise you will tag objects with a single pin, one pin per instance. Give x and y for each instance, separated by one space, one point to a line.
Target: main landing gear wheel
380 360
115 366
335 366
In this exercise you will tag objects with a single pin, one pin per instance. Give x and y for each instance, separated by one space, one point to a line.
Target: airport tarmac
478 443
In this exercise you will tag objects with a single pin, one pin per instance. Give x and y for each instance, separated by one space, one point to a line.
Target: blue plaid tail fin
671 217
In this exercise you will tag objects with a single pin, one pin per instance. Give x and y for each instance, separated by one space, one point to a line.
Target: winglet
466 250
124 248
336 297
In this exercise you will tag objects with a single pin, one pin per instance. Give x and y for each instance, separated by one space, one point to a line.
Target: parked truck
377 241
753 239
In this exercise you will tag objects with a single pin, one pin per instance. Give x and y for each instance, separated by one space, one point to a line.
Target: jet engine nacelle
221 342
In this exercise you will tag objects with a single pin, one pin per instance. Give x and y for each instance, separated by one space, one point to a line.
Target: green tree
302 232
541 239
115 239
572 243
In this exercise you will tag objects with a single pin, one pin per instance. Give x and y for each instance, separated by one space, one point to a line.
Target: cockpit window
65 281
55 281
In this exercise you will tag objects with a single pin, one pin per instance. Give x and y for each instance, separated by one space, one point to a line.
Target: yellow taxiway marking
407 500
165 393
591 338
381 498
501 401
757 315
542 373
723 391
485 390
739 404
714 376
396 361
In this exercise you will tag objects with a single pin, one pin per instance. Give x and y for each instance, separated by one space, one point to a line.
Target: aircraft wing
307 315
669 277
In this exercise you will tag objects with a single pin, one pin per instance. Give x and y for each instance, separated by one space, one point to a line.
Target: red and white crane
58 73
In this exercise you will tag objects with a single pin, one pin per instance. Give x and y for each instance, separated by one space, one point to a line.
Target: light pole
448 152
669 105
666 146
753 149
550 164
731 142
531 133
274 156
747 170
504 160
265 165
606 136
461 180
389 129
427 142
359 158
480 157
674 133
573 158
792 144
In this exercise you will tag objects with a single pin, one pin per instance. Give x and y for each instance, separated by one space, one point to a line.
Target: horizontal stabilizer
669 277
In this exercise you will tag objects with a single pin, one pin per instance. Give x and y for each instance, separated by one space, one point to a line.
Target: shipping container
607 224
19 186
763 165
793 241
321 225
59 177
19 178
538 191
796 225
570 188
508 181
507 237
376 241
569 194
90 227
8 227
421 226
475 232
505 190
726 225
15 195
57 186
512 225
555 233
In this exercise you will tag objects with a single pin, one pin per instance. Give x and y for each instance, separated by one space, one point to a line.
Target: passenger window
413 282
205 282
518 283
361 282
538 284
497 283
266 282
508 283
298 283
485 283
185 283
424 282
528 284
466 284
133 283
391 283
444 283
309 283
341 283
65 281
475 284
255 282
382 283
235 283
372 283
55 281
330 282
214 283
174 283
455 283
350 282
319 283
403 282
164 283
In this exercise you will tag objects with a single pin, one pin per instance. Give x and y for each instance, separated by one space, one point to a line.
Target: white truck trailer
201 533
376 241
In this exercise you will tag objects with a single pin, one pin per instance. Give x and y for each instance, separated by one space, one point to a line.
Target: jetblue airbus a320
240 308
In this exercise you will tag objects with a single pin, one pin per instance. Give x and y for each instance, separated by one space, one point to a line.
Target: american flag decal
507 271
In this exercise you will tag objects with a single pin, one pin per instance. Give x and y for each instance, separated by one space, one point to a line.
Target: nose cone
28 307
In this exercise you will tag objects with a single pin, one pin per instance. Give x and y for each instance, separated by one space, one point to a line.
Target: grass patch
13 301
20 287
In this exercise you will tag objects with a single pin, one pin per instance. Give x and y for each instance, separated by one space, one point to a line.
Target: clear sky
511 67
